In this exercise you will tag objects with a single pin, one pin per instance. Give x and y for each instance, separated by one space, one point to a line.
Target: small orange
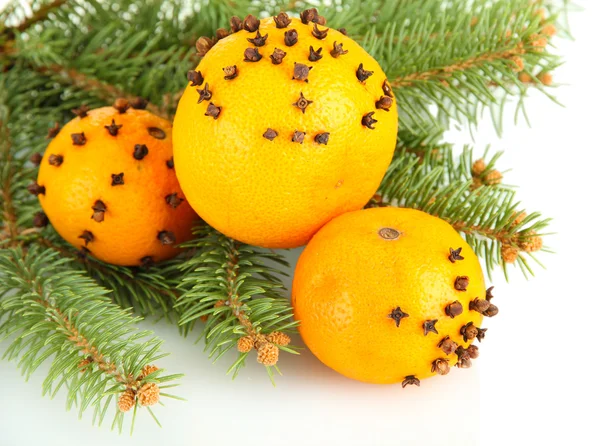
389 295
107 184
284 125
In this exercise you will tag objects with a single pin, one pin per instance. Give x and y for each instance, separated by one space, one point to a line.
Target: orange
108 186
267 153
384 295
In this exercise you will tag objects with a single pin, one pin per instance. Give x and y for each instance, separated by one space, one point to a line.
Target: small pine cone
149 394
83 364
478 167
545 78
493 178
519 218
245 344
510 253
549 30
538 43
525 78
519 65
126 400
279 338
531 244
147 370
268 354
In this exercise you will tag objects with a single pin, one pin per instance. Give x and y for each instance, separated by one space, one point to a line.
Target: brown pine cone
245 344
510 254
268 354
279 338
147 370
126 400
149 394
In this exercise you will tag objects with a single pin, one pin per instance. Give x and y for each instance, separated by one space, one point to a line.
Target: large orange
377 291
108 186
267 153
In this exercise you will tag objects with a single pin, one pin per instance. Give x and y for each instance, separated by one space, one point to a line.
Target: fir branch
236 289
9 215
40 15
47 310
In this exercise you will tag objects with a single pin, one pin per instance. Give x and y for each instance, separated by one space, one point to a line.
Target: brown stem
8 210
502 236
40 15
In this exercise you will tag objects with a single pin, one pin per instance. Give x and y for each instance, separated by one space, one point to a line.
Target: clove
454 253
87 236
81 111
290 37
302 103
55 160
252 55
301 72
491 311
121 104
36 159
320 33
157 133
469 331
411 380
429 327
461 283
362 74
454 309
298 137
170 163
113 129
166 237
230 72
343 31
387 89
322 138
338 50
140 151
173 200
384 103
388 233
479 305
464 360
440 366
139 103
117 179
195 78
40 220
221 33
277 56
99 209
447 345
213 111
473 351
53 131
203 45
258 40
397 315
270 134
203 94
368 120
312 15
251 23
313 55
78 139
282 20
147 262
488 293
236 24
36 189
481 334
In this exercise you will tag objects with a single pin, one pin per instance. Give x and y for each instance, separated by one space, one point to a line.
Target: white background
534 383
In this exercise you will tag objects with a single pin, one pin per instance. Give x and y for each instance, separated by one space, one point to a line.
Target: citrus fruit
389 295
284 125
108 186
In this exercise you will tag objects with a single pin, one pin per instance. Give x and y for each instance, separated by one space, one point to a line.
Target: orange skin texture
349 279
137 210
278 193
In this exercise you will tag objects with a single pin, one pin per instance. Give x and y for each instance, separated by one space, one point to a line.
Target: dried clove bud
302 103
55 160
388 233
99 209
40 220
411 380
343 31
384 103
362 74
78 139
473 351
461 283
170 163
195 78
321 33
338 50
166 237
488 293
479 305
290 37
230 72
491 311
87 236
454 309
298 136
481 334
140 151
455 255
397 315
36 189
221 33
252 55
468 331
139 103
447 345
301 72
203 45
312 15
36 159
147 262
53 131
251 23
121 104
117 179
429 327
157 133
313 55
113 129
270 134
204 94
282 20
173 200
440 366
322 138
387 89
213 111
236 24
258 40
368 120
81 111
277 56
464 360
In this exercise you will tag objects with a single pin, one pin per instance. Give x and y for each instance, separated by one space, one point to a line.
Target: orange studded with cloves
285 124
108 186
391 295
